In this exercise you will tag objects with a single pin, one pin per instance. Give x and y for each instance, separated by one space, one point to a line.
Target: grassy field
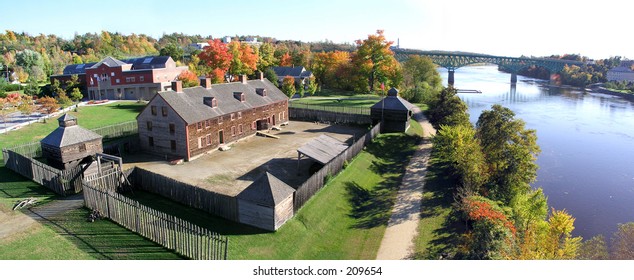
88 117
71 237
14 187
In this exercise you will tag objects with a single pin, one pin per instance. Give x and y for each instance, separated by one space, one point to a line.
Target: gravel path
17 222
398 241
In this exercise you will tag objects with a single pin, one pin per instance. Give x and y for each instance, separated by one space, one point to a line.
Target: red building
132 79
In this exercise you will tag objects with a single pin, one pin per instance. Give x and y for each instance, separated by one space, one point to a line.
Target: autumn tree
286 60
447 109
594 249
375 63
49 104
558 243
510 151
266 57
5 109
188 78
243 59
216 58
330 68
288 86
27 106
312 85
623 242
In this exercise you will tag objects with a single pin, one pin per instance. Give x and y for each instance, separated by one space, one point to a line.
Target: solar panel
80 66
147 60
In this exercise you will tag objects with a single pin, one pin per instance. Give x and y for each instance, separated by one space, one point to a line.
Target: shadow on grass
370 208
437 202
13 185
132 107
104 239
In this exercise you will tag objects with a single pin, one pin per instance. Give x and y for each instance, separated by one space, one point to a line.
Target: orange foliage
216 55
480 210
286 60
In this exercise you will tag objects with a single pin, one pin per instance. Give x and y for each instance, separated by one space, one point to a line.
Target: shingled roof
189 103
267 190
297 71
69 135
323 148
110 62
393 102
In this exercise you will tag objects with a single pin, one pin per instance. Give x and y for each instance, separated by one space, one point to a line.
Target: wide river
587 140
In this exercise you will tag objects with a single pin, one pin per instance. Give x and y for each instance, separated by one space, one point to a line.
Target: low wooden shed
394 111
69 144
267 203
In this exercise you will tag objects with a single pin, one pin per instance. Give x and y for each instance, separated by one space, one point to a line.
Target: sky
596 29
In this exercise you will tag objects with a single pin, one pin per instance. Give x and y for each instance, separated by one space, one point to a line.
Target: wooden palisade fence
193 196
316 181
61 182
171 232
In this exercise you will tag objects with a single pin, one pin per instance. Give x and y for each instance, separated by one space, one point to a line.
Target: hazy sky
597 29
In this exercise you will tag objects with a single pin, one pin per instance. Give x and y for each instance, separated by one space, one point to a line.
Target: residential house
186 123
299 73
623 72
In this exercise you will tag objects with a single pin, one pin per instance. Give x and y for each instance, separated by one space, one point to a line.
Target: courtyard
231 171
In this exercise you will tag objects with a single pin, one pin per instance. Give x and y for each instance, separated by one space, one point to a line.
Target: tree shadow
370 208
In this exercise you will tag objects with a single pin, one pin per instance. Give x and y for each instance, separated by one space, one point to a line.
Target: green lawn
14 187
71 237
345 220
88 117
437 232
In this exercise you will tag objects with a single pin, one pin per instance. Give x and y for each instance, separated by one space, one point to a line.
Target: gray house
299 73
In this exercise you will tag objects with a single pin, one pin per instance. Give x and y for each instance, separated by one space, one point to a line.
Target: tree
32 88
510 151
623 242
558 243
458 150
27 106
288 86
57 89
243 59
270 75
5 109
267 57
329 68
375 62
217 58
420 72
28 58
447 109
594 249
286 60
172 50
49 104
75 95
312 85
188 78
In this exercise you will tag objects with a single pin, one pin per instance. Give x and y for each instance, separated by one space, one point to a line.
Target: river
587 140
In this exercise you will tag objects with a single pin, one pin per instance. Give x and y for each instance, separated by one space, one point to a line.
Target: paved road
398 241
17 222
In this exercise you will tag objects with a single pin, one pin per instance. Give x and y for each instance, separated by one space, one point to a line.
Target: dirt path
398 241
17 222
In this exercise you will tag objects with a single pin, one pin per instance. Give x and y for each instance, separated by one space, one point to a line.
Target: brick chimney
243 78
261 75
177 86
205 83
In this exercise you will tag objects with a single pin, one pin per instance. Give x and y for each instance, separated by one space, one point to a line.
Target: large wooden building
186 123
69 144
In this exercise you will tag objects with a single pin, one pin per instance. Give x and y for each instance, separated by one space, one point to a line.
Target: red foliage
286 60
216 55
480 210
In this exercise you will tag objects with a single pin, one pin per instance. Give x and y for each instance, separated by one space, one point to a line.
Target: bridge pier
513 78
450 78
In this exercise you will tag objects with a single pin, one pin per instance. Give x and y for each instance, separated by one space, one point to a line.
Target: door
221 137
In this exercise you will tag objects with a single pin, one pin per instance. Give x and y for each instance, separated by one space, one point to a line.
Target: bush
327 178
345 164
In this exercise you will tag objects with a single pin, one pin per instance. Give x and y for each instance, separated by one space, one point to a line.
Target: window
199 125
153 110
151 141
200 142
112 74
164 111
82 147
254 125
149 125
173 144
233 116
208 139
172 128
239 115
117 81
206 123
142 79
240 129
220 120
233 131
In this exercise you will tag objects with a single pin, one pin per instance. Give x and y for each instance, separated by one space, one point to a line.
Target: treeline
579 76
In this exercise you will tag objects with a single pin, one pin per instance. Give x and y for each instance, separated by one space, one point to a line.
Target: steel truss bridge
454 60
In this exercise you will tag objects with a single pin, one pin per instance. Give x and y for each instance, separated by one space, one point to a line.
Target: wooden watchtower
69 144
394 111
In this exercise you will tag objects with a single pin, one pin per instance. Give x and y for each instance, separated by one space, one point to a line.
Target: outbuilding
267 203
69 144
394 111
